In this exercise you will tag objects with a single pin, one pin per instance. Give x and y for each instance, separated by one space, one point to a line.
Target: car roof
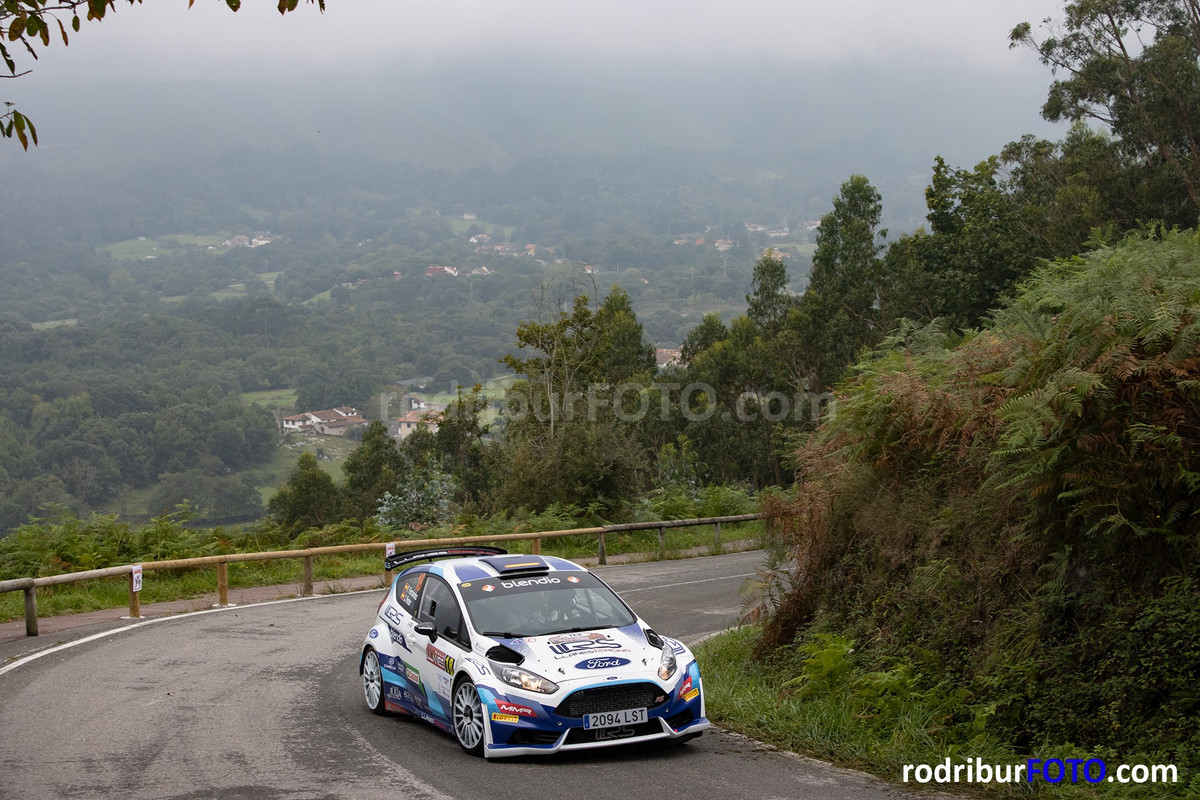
459 570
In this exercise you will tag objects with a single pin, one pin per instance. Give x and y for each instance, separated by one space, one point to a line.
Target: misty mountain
751 139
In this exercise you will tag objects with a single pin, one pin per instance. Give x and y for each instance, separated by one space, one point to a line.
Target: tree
621 352
847 291
309 499
374 468
1132 65
32 24
768 301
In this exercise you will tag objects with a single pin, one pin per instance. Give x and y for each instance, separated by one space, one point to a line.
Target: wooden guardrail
30 585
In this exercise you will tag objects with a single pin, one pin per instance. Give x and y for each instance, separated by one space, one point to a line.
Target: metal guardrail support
30 585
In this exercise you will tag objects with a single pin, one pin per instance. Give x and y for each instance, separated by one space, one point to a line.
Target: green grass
283 399
185 584
820 699
168 585
145 247
53 323
499 233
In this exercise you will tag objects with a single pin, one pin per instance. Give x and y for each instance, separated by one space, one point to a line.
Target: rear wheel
468 717
372 675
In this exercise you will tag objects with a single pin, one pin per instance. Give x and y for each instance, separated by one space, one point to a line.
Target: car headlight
667 664
524 679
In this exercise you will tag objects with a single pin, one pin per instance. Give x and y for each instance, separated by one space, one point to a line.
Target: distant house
332 422
241 240
666 357
415 419
431 271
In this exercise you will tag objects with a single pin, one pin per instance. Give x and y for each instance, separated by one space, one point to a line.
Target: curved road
265 701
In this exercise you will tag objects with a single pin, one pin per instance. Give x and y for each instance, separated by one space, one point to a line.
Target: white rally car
520 654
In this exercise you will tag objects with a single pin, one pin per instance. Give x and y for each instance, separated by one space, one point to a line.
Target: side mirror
427 629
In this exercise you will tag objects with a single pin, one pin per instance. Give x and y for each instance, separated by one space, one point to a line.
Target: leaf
16 29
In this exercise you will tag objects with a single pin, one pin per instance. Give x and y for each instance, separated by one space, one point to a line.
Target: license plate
612 719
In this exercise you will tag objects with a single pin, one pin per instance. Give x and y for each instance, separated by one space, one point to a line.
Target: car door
438 609
406 647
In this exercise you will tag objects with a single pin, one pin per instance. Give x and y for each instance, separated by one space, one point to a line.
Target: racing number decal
439 659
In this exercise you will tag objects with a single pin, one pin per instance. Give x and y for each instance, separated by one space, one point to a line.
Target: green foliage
309 499
1133 67
424 496
373 469
1017 513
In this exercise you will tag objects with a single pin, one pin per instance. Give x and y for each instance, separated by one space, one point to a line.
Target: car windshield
556 602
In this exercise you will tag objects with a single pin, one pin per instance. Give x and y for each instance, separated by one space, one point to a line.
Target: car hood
609 652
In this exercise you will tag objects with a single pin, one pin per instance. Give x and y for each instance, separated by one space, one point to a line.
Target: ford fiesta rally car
520 654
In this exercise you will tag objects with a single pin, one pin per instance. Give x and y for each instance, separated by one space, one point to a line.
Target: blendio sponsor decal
572 643
543 581
439 659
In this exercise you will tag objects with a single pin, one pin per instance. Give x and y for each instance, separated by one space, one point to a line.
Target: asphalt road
265 702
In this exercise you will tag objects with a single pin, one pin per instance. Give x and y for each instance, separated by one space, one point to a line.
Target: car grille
612 698
580 736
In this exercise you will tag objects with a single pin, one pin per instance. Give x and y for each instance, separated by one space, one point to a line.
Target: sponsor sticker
413 676
572 579
692 695
393 615
498 717
439 659
373 634
602 662
488 588
573 643
514 709
545 580
686 686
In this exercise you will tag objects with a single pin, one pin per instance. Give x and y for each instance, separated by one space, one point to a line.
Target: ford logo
601 663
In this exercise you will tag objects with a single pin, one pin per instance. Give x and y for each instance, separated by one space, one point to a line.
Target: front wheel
468 717
372 675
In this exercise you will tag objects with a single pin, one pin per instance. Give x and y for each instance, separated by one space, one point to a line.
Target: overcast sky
164 37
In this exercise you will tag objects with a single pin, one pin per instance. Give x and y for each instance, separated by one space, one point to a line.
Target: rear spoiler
400 559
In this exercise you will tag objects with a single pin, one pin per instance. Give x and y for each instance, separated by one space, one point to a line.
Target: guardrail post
223 584
600 550
135 601
717 538
537 546
31 621
308 577
662 541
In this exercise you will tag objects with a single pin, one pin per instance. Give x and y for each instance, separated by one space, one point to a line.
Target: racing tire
372 675
467 717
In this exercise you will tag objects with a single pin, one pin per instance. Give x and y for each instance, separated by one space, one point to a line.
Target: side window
409 589
439 607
